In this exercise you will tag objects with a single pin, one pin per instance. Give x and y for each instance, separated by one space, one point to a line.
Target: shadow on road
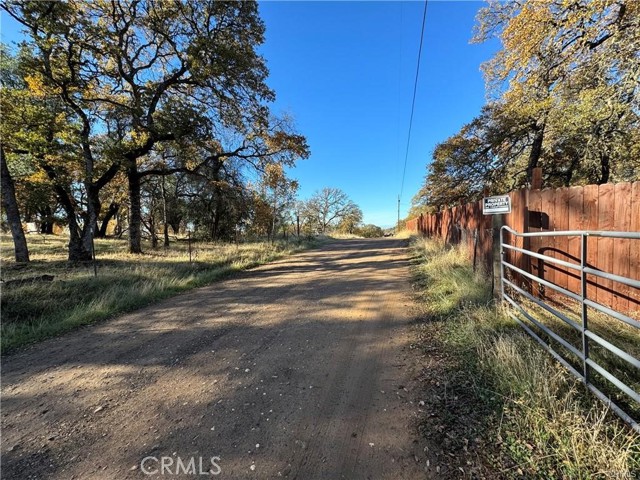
294 368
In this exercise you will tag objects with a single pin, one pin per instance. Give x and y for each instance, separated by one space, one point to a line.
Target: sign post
496 206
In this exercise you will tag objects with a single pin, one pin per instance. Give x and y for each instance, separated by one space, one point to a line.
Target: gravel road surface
296 369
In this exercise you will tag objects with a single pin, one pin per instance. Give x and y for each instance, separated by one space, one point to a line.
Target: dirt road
295 369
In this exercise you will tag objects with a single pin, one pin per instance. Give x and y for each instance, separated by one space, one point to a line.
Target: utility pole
398 223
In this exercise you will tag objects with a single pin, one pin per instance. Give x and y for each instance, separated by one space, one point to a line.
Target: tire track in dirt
288 370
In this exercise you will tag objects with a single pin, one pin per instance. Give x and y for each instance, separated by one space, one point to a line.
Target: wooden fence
609 207
462 224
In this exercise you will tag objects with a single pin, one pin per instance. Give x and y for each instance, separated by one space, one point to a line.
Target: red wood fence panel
590 222
634 250
621 223
547 244
605 245
536 222
575 222
592 207
561 210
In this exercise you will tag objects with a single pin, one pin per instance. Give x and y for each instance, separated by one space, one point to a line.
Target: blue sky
345 72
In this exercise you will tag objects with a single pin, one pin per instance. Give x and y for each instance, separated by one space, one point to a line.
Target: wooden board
575 222
561 223
521 223
606 212
634 250
535 225
547 244
590 222
620 260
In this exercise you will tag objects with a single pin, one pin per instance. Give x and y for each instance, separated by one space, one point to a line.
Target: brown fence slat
620 258
509 255
536 220
516 220
606 212
547 244
561 222
575 222
634 251
590 222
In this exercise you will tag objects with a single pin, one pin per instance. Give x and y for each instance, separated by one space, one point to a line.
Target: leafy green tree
327 207
571 68
10 206
216 200
282 194
563 96
350 222
370 231
52 71
148 73
38 147
9 201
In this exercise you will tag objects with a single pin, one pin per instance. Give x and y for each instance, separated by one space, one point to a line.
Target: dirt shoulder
296 369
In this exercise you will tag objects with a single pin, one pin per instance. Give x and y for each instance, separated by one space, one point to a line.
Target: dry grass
34 311
610 329
405 234
343 236
544 424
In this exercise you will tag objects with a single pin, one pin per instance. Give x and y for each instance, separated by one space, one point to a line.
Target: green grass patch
536 419
38 310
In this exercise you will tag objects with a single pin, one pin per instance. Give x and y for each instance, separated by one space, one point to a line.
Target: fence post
475 248
583 295
500 236
497 223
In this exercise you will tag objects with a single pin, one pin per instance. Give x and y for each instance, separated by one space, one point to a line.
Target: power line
413 101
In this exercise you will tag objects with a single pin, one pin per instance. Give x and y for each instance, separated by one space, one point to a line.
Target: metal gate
527 320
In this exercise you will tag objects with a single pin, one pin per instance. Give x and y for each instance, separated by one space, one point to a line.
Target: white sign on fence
496 205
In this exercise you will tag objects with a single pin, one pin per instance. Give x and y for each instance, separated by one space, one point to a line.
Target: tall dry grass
125 282
546 424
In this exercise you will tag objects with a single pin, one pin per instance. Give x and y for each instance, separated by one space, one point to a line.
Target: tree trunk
568 176
46 221
165 225
135 211
46 228
117 232
275 212
13 214
112 211
77 247
605 169
91 220
166 234
77 250
80 240
215 233
152 231
536 152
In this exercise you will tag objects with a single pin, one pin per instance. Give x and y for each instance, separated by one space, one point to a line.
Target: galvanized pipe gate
587 335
